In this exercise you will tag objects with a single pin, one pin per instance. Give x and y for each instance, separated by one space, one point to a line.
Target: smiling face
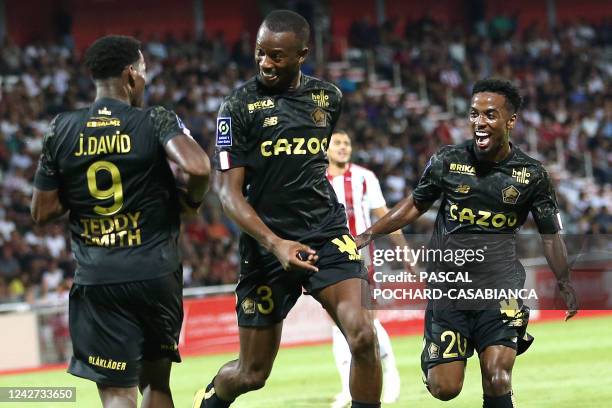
279 57
339 150
491 121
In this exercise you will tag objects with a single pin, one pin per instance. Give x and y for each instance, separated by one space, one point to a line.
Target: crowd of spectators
406 89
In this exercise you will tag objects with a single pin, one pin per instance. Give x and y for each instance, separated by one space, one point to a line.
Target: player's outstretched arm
404 213
194 162
556 256
46 206
289 253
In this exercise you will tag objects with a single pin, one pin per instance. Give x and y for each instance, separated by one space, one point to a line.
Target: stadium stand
406 93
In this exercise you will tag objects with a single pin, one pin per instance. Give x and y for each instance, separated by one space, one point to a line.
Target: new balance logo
270 121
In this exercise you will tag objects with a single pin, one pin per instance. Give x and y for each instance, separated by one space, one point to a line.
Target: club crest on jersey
319 117
510 195
224 131
433 351
521 176
104 111
248 306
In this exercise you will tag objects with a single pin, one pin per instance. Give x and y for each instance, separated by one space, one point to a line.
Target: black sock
503 401
356 404
213 401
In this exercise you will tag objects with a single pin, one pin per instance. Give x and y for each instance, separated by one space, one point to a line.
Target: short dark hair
502 87
108 56
282 21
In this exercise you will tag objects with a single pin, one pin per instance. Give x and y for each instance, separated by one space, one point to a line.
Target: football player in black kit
272 135
107 166
488 186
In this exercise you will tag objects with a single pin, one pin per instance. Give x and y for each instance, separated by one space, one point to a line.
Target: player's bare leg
258 349
445 380
496 364
344 304
155 384
118 397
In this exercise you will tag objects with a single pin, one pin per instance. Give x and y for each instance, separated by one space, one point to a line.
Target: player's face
279 57
137 77
491 122
339 150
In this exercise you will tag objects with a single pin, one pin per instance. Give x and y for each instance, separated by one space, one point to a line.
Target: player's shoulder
63 122
158 115
313 83
523 158
70 117
533 166
241 96
244 91
355 168
453 150
157 111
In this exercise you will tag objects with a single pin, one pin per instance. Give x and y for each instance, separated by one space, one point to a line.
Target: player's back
118 186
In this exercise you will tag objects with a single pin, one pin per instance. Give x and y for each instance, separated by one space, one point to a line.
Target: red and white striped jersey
359 190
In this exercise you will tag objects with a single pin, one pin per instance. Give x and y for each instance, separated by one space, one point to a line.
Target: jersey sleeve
47 173
337 112
231 144
374 193
544 209
167 124
429 187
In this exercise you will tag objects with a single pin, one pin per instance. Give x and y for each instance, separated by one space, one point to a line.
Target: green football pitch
568 366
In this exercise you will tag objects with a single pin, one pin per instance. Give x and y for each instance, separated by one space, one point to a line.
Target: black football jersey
484 204
109 165
281 140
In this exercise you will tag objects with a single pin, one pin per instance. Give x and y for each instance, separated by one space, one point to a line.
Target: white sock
386 351
342 355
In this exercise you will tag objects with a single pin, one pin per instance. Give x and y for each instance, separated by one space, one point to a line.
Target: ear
303 53
131 75
511 122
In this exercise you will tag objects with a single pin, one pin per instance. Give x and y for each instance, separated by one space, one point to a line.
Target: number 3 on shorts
265 304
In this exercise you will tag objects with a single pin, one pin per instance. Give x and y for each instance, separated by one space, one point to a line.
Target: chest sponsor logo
319 117
484 218
521 176
294 146
270 121
462 188
104 111
261 104
224 131
321 99
462 169
510 195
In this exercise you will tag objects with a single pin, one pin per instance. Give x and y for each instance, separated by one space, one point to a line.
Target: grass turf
568 366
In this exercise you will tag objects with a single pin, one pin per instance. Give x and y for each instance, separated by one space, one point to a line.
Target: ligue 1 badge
224 132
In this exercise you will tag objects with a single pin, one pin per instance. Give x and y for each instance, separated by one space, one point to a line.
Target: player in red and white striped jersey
359 190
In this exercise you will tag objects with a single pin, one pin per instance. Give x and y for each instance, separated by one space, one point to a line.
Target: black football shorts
115 327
